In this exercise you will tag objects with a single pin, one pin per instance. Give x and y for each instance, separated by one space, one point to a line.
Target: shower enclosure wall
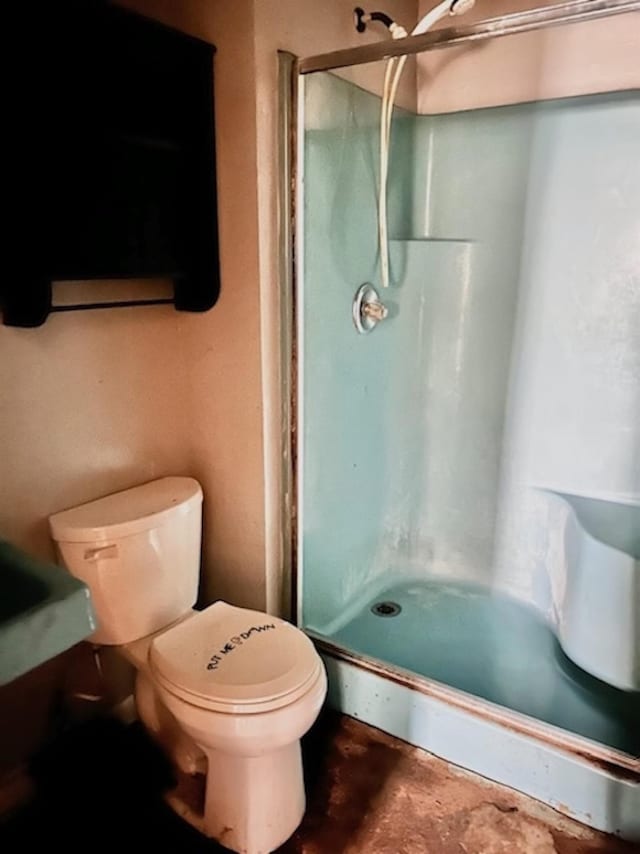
468 543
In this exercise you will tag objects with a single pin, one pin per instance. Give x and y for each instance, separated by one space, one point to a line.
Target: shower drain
386 609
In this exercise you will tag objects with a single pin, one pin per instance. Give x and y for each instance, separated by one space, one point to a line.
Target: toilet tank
139 553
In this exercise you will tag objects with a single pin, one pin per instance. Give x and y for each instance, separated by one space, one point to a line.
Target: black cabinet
111 171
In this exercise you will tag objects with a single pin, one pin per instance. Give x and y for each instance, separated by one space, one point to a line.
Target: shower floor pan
480 680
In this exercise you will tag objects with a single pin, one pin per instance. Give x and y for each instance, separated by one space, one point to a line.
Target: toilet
228 692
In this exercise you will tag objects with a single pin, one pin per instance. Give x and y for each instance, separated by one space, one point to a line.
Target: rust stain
611 767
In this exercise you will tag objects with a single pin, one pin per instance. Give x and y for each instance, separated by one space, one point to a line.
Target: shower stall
467 438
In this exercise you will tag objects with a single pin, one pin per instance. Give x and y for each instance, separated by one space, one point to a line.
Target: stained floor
99 787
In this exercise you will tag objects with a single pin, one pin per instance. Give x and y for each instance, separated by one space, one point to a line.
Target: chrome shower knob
368 310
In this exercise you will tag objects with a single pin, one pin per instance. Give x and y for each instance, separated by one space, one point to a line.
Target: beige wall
97 401
94 402
576 59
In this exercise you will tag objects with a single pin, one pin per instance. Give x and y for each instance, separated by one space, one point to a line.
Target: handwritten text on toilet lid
234 642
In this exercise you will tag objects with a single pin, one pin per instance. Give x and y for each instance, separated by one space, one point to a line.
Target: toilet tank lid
131 511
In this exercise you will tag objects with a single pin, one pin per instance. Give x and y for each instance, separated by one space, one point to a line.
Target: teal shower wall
344 495
413 446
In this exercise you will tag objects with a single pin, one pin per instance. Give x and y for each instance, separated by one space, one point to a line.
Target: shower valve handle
375 310
367 309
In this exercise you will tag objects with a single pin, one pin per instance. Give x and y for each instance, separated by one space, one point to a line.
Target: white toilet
227 691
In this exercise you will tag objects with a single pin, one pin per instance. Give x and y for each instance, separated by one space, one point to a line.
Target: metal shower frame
571 12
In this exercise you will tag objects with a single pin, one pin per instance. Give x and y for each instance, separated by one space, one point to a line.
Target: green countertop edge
60 616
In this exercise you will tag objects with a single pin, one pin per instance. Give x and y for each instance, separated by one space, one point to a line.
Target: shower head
448 7
459 7
392 74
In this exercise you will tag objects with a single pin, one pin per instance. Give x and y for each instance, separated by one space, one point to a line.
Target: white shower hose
392 75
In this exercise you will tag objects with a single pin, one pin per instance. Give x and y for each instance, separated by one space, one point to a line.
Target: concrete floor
369 792
99 787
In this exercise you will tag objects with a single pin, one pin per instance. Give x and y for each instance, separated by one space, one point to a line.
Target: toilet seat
234 660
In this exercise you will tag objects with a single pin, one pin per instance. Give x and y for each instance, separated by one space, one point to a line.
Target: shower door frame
570 12
570 762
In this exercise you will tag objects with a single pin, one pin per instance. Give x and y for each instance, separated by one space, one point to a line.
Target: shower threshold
480 680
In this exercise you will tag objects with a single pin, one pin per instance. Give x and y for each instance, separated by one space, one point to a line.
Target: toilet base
251 805
254 803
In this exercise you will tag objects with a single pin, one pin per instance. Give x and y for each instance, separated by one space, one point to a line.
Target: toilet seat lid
233 659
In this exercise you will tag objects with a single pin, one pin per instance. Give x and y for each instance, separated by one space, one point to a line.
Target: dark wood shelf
112 152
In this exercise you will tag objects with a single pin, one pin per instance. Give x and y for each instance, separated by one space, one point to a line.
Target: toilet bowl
245 697
227 691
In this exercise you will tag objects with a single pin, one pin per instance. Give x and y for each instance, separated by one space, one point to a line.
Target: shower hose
393 73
